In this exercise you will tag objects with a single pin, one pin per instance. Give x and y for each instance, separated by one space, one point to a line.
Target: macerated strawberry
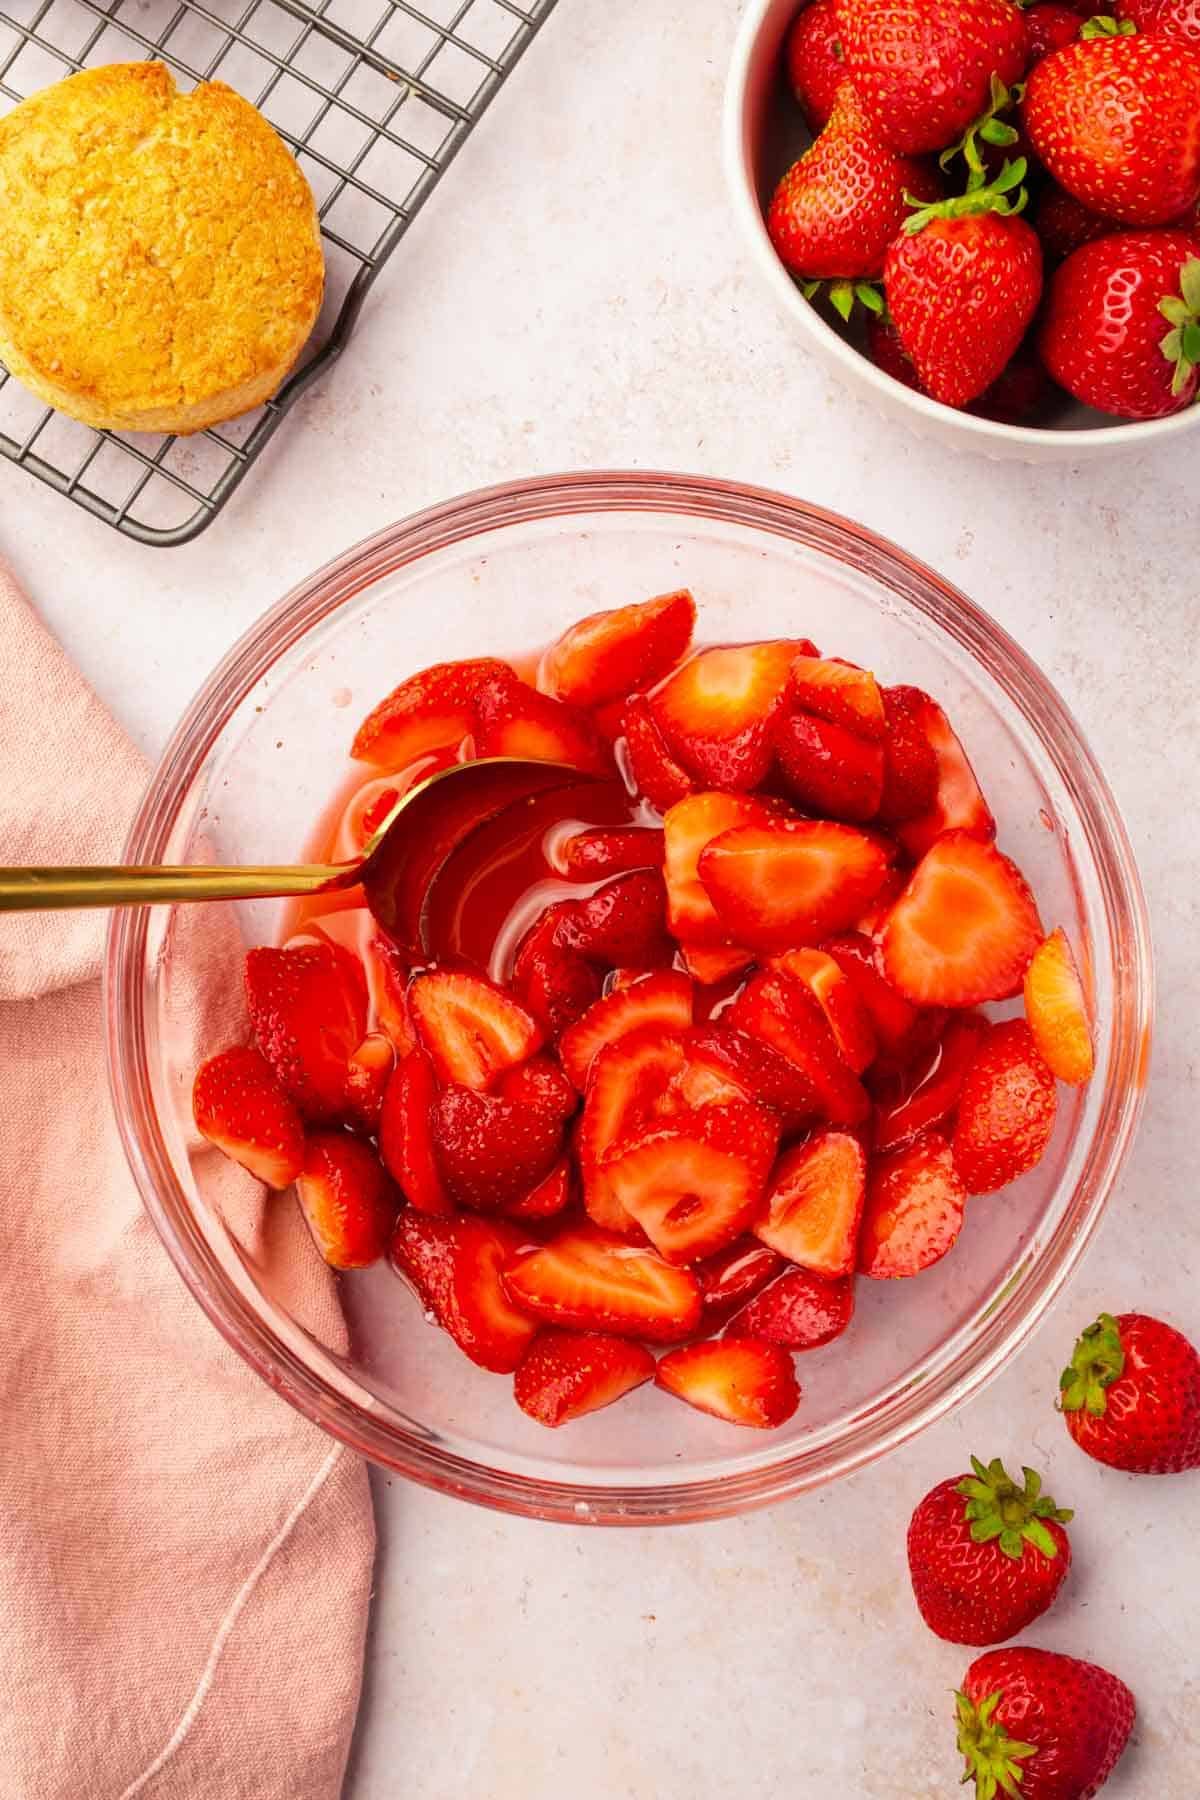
688 828
555 984
655 773
456 1266
623 924
587 855
513 719
240 1107
926 1093
472 1029
799 1311
840 692
701 1082
839 999
892 1016
791 881
551 1196
1006 1109
780 1012
914 1209
626 1081
388 975
715 712
875 917
308 1012
910 765
741 1380
1057 1011
539 1083
958 803
594 1280
710 966
730 1277
367 1075
965 927
831 770
406 1135
695 1182
814 1203
429 711
609 654
565 1374
663 998
757 1071
347 1200
491 1151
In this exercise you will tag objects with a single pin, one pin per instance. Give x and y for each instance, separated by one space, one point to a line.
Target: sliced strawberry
663 999
741 1380
456 1266
914 1209
491 1151
308 1011
896 1022
875 917
839 999
513 719
799 1311
406 1135
1006 1110
593 1280
964 928
240 1107
815 1203
780 1012
712 966
695 1183
702 1081
347 1201
609 654
429 711
472 1029
609 720
726 1055
840 692
588 855
388 974
556 985
626 1082
959 804
1057 1011
551 1196
731 1276
791 881
539 1083
422 1250
910 770
367 1075
688 829
830 769
622 923
716 711
565 1374
926 1093
653 770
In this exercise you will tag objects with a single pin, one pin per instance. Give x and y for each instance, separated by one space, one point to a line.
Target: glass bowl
255 762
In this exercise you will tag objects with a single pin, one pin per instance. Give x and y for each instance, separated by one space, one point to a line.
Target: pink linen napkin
185 1563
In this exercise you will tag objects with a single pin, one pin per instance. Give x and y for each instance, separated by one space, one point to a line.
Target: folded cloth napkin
185 1563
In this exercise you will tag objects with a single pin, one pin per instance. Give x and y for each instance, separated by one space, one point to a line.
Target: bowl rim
1132 434
962 1363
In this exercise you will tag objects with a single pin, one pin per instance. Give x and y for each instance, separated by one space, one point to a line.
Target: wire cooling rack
374 96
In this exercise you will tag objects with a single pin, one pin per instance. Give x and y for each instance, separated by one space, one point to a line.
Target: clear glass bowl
256 760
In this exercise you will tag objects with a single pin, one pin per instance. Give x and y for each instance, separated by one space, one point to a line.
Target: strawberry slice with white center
839 999
734 1275
815 1202
790 882
663 999
716 711
472 1029
565 1374
958 804
513 719
743 1381
1057 1011
406 1135
609 654
780 1013
652 769
840 692
627 1081
492 1151
552 1195
965 927
308 1011
688 829
347 1201
830 770
240 1107
926 1093
914 1209
800 1311
695 1183
433 710
592 1280
456 1266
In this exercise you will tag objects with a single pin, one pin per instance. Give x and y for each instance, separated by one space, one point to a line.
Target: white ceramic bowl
763 134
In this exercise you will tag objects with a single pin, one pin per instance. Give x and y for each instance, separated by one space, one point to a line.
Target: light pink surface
185 1564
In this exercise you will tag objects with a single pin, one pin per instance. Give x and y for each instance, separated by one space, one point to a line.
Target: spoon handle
43 890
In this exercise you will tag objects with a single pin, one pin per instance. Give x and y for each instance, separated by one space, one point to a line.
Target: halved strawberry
694 1183
622 923
781 1013
540 1083
875 917
910 767
926 1093
587 855
958 804
716 711
491 1151
551 1196
830 769
565 1374
609 654
727 1055
702 1081
1057 1011
626 1082
688 828
387 973
799 1311
815 1202
429 711
513 719
593 1280
711 966
456 1266
308 1011
901 1031
240 1107
406 1135
791 881
367 1075
840 692
472 1029
1006 1110
653 770
347 1201
556 985
741 1380
839 999
663 999
730 1277
964 928
914 1209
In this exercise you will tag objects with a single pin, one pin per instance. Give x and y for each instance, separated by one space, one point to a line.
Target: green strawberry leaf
1189 284
1181 345
1105 26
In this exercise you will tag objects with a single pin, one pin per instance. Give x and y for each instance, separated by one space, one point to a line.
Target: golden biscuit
160 257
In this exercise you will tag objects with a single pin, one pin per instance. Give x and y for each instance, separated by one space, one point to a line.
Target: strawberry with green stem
1131 1395
1038 1726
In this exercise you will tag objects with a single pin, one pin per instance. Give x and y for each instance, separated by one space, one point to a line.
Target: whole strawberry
1163 18
1131 1395
1116 120
986 1557
924 68
836 210
963 281
1121 327
1048 27
1041 1726
815 66
1064 223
